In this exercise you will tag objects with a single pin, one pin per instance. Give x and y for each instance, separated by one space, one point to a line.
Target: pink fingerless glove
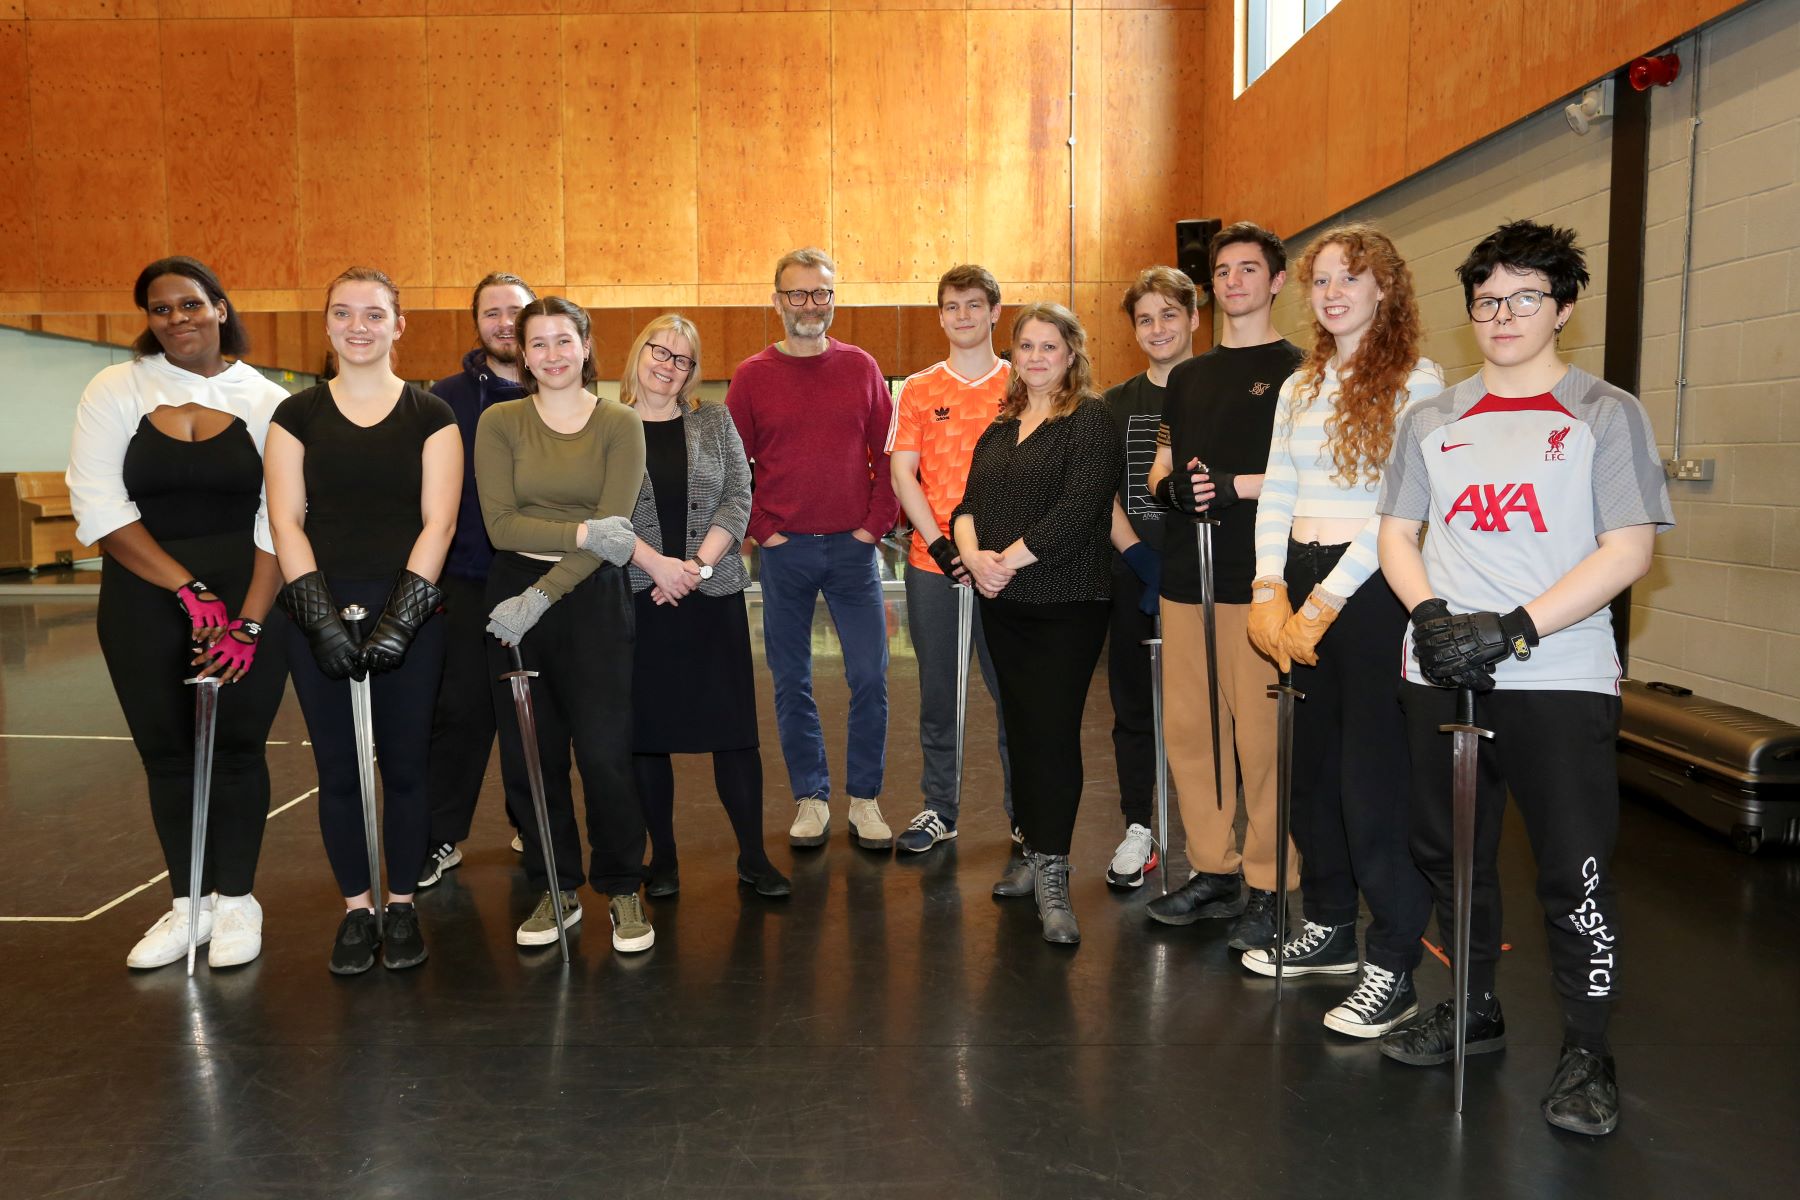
237 649
205 614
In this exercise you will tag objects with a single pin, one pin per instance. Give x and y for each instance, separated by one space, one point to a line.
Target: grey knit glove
610 539
512 619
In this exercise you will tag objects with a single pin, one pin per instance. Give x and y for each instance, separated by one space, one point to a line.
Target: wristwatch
706 571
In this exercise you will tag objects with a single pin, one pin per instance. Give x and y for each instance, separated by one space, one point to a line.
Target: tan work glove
1300 635
1269 614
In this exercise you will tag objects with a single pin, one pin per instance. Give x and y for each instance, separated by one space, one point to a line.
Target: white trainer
1134 859
167 940
236 932
868 828
812 822
518 844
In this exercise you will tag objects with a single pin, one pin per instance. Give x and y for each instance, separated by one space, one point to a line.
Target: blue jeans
845 570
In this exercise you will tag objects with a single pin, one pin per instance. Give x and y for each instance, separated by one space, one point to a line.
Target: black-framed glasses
819 296
663 354
1521 303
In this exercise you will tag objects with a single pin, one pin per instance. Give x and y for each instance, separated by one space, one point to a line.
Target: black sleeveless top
363 485
665 460
194 489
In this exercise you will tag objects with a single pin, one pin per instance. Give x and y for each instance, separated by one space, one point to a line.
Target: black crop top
363 485
188 489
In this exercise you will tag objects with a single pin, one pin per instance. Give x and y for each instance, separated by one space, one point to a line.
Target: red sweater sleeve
884 506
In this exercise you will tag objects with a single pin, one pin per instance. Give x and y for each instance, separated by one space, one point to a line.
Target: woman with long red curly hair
1316 528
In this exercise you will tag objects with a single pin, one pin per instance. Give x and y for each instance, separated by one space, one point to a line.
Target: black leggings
144 638
738 777
1352 785
582 651
402 705
463 723
1044 656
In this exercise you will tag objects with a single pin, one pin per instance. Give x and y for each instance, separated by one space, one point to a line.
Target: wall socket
1689 470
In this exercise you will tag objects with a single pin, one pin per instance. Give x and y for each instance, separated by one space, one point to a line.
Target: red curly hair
1372 385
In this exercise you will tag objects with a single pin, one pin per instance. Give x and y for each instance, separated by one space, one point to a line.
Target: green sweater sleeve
619 472
500 471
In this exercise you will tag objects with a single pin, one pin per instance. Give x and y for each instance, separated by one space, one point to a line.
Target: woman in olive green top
558 472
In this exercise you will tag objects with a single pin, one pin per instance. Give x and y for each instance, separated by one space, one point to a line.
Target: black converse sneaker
1382 1000
1319 950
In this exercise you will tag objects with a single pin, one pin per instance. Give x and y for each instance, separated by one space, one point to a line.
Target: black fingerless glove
412 601
943 553
1177 491
308 601
1225 493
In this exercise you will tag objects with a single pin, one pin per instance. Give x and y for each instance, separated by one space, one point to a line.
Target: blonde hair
1077 384
689 395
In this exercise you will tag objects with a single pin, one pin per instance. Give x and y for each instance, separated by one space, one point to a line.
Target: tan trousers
1246 719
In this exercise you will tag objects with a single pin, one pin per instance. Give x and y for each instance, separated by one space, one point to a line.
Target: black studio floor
889 1031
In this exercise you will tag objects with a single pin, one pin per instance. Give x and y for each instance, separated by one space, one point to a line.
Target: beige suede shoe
812 822
867 829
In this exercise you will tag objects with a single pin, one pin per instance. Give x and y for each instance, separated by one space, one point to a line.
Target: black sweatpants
144 638
582 651
738 777
1352 780
401 705
463 723
1554 752
1128 682
1044 657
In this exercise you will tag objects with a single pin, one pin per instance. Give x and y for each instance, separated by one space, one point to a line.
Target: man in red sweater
814 415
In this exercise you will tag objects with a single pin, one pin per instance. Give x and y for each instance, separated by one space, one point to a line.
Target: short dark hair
969 277
556 306
1527 246
233 340
495 279
1172 285
1273 252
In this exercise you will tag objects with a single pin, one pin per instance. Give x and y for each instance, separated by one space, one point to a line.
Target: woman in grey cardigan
693 687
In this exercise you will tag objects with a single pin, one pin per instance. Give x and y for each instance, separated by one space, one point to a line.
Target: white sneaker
167 940
868 828
812 822
444 858
518 843
1134 859
236 932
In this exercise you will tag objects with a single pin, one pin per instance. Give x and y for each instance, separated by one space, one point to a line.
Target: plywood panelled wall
1380 90
625 152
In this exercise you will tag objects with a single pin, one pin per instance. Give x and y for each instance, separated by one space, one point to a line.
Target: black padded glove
413 599
1466 647
943 553
308 601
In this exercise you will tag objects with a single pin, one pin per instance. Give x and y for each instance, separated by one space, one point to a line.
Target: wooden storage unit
37 527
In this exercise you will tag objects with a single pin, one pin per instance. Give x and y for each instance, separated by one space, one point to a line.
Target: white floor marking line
153 880
94 737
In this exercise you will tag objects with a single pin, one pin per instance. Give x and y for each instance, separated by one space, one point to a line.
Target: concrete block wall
1720 610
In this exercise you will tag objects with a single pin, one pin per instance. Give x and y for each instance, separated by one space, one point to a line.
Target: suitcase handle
1670 689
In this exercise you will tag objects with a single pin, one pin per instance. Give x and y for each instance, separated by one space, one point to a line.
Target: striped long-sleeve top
1299 481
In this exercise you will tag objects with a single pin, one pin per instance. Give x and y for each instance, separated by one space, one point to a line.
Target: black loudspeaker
1191 238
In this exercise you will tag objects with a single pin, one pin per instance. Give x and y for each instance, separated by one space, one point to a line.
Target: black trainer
1319 950
765 879
405 943
1381 1001
354 951
1584 1093
1205 895
662 879
1431 1040
1255 929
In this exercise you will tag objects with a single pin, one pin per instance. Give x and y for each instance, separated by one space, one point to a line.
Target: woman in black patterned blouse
1033 532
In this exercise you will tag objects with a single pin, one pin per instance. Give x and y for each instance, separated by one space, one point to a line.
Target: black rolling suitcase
1731 769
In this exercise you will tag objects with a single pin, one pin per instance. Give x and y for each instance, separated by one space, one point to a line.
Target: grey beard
791 323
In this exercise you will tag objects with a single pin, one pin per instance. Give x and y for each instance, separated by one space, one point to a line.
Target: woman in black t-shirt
364 478
1034 531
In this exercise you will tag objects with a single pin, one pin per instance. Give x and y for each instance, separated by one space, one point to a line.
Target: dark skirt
693 689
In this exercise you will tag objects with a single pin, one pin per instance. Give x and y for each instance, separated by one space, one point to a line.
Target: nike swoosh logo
1456 446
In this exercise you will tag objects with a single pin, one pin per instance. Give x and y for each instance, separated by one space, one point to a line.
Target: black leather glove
1463 648
308 601
413 599
943 553
1177 490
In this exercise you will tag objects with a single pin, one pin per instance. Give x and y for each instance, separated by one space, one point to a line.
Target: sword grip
1465 706
518 663
353 615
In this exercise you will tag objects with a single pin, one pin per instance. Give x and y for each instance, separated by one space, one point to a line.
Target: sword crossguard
203 680
1278 690
520 675
1459 727
1155 641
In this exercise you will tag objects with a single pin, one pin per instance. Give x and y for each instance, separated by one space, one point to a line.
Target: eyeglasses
663 354
819 296
1521 303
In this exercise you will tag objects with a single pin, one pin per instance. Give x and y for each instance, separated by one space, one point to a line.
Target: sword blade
363 725
206 718
965 636
1465 750
520 679
1162 755
1285 694
1210 631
